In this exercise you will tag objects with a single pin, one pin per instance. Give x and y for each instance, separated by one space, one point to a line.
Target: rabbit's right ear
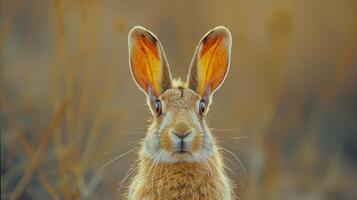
148 63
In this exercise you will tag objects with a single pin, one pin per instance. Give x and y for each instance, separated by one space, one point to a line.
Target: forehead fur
177 83
180 97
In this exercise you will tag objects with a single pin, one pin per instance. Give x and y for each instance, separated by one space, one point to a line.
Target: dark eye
201 107
158 107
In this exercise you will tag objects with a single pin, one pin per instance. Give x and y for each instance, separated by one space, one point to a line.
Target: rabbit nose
181 130
181 135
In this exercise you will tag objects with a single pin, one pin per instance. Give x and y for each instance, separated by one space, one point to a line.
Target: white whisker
237 158
126 153
232 146
233 137
130 171
123 147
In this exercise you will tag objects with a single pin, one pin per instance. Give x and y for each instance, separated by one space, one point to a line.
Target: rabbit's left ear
148 63
210 62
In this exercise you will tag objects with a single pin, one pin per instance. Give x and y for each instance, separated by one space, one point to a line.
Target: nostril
181 135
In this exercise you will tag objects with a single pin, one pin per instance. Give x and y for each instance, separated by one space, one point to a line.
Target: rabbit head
178 132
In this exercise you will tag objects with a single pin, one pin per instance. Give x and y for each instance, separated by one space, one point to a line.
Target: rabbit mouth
182 152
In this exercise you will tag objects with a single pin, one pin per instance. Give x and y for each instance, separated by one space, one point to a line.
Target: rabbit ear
148 63
210 62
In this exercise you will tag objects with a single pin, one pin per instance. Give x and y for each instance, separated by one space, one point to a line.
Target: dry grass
287 109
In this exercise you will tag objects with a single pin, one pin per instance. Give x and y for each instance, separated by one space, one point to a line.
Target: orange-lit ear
148 63
210 63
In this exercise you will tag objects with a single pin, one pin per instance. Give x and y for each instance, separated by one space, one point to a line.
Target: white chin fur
163 156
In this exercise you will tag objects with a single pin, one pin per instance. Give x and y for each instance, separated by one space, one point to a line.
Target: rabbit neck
180 181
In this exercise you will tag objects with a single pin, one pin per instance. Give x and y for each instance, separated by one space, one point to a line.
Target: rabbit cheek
165 142
197 142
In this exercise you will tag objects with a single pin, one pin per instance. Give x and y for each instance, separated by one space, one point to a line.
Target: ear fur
210 63
148 64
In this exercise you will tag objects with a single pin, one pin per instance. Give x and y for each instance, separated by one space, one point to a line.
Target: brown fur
184 181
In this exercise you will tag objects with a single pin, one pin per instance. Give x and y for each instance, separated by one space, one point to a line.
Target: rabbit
179 157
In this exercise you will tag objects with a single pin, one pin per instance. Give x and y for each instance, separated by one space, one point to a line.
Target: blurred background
287 110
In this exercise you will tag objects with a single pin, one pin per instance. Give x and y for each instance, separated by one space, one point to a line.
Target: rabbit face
178 132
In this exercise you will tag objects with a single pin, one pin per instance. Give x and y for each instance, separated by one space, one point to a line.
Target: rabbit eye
201 107
158 107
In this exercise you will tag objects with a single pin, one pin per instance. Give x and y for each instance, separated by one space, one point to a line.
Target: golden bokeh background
288 108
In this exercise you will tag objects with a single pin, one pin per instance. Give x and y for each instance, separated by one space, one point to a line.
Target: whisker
225 129
123 132
232 163
229 169
130 171
129 133
122 147
126 153
237 158
121 183
232 146
234 137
